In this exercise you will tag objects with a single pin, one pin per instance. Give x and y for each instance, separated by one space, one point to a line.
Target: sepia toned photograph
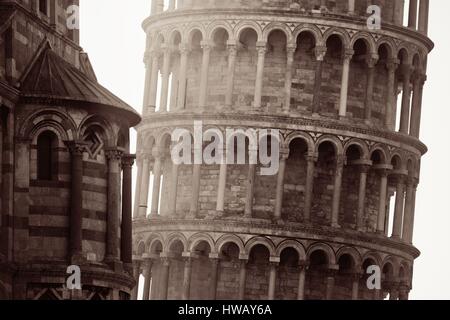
243 151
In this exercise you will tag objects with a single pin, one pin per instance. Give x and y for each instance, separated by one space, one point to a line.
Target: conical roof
51 77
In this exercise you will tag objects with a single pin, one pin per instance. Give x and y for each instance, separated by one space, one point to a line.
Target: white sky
112 35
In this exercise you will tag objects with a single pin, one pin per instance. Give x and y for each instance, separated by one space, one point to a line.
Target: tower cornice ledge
291 122
256 227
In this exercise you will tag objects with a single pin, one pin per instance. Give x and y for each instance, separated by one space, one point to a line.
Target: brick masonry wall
28 36
94 206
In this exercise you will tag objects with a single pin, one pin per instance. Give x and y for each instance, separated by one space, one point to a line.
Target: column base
215 215
128 267
114 263
153 216
191 216
78 259
335 225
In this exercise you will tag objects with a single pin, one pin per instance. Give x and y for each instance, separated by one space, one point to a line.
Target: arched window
46 156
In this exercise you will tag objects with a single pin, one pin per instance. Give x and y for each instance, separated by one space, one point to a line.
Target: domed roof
51 77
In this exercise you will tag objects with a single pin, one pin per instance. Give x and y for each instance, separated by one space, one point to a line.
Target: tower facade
64 146
345 97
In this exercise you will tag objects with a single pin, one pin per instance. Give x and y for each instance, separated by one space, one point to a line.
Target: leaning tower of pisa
346 99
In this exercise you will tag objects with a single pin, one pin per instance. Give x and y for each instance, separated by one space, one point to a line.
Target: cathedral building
342 82
65 163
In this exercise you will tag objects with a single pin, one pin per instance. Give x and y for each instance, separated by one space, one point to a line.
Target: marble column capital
320 52
232 49
76 147
184 49
290 49
406 70
372 60
348 54
261 48
312 157
114 153
392 64
206 46
158 153
284 153
128 160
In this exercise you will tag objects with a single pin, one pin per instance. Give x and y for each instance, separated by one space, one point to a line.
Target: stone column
76 200
154 7
196 177
160 6
222 187
164 98
204 74
382 201
173 189
423 16
187 278
137 188
344 83
330 281
310 168
290 50
406 99
355 285
153 81
272 280
351 6
301 281
182 78
393 293
172 4
337 192
232 53
284 154
157 171
127 218
408 223
261 48
412 16
215 261
320 52
145 182
403 293
398 12
114 157
364 168
371 63
136 275
391 104
242 279
174 86
165 262
250 191
399 206
148 278
416 111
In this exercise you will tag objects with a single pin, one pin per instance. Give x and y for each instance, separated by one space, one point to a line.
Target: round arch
243 25
325 248
277 26
198 238
293 244
260 241
230 238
